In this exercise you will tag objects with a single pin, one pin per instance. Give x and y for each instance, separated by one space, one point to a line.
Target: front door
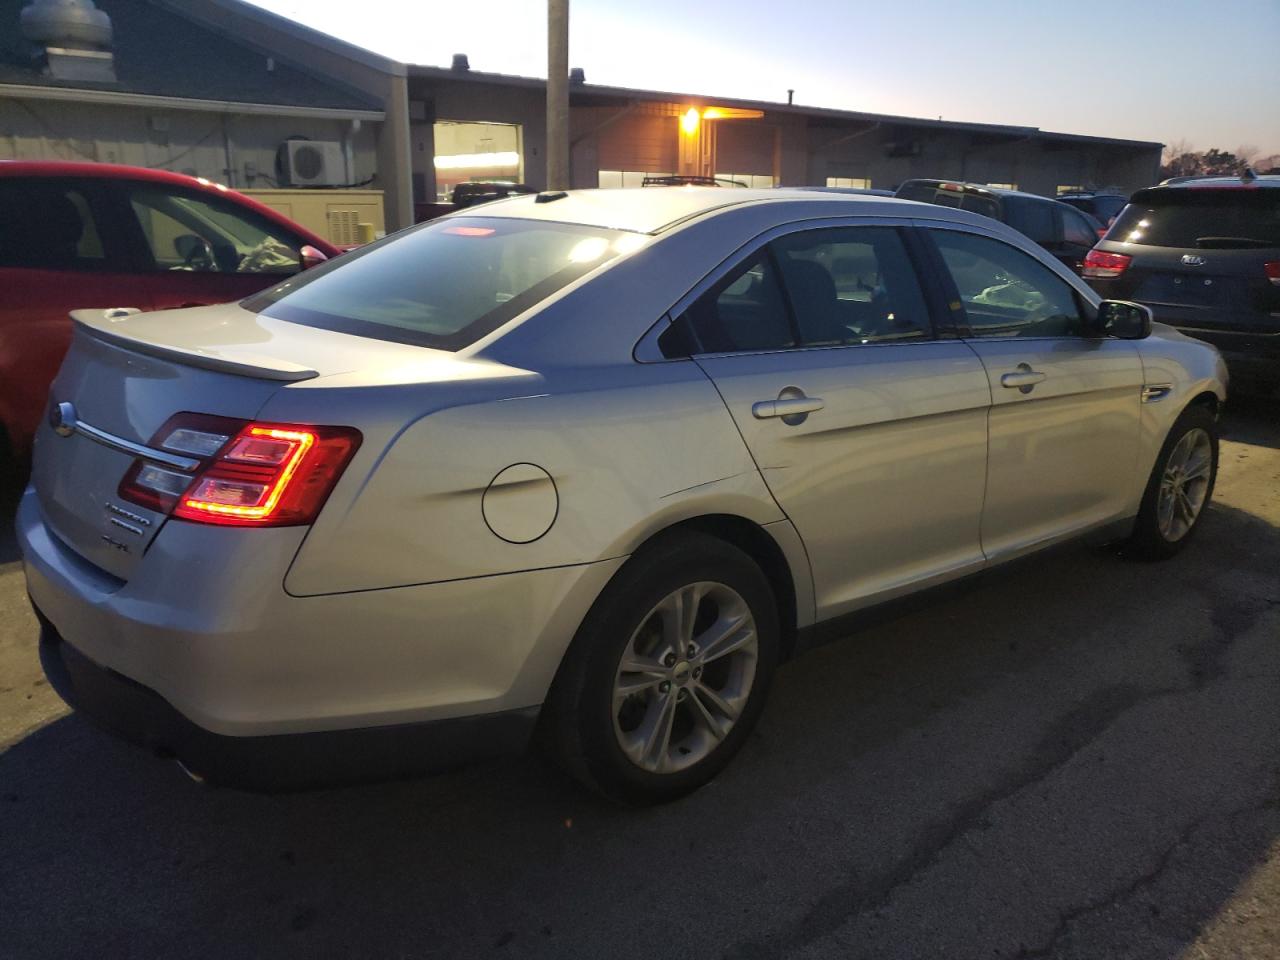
1065 408
869 431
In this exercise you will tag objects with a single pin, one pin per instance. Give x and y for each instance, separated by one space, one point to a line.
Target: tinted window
186 232
1208 219
958 197
1006 293
851 285
47 225
1077 230
445 284
744 311
1032 219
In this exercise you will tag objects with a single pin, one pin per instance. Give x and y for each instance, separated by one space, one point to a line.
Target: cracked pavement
1076 758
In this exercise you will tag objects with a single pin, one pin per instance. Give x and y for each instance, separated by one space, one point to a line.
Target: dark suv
1064 231
1204 254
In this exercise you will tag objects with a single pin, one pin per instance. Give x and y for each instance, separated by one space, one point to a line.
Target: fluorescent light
507 158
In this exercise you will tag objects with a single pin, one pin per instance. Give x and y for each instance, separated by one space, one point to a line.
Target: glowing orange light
689 122
304 441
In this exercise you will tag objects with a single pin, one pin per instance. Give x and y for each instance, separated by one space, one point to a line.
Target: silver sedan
586 466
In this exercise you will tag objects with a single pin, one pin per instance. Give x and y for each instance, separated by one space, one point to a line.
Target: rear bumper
283 761
204 626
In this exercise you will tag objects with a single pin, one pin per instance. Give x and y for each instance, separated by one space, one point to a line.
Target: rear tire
1179 489
668 673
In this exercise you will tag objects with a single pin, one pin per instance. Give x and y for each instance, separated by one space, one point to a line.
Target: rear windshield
959 199
1235 219
445 284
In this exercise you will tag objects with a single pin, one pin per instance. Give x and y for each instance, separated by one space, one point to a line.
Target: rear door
59 251
192 249
869 430
1065 409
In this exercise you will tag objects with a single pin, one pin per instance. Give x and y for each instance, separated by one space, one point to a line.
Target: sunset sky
1173 71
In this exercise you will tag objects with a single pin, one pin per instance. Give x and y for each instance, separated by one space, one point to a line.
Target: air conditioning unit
314 163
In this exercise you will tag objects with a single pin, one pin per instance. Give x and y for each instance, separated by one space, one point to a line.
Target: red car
97 235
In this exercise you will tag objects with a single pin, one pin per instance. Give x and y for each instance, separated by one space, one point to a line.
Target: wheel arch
767 553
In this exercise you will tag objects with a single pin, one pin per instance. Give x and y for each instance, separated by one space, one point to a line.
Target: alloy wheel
1184 484
685 677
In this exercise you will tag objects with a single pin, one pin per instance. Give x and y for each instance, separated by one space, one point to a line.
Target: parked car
1204 254
1103 207
99 235
1064 231
860 191
591 463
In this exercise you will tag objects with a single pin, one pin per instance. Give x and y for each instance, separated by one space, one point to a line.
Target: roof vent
577 75
73 37
460 62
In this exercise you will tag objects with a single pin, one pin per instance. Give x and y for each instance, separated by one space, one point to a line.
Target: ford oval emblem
1191 260
62 417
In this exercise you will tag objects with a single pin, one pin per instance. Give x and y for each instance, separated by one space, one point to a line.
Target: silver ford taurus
584 465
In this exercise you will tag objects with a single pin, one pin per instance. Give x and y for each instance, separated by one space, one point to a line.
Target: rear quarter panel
630 449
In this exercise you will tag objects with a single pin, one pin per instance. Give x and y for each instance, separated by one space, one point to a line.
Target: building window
476 152
1069 188
756 180
857 183
1003 186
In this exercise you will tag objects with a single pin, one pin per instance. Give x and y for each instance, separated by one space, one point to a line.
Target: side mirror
311 257
1123 320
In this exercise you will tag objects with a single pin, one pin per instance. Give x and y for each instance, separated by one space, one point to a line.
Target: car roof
117 171
653 211
980 188
1264 181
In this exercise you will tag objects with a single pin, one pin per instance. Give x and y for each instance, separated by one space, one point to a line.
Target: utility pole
557 94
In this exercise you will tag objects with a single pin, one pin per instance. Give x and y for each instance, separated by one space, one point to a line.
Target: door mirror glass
1123 320
311 257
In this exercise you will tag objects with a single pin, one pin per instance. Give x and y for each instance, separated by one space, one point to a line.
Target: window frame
941 326
1085 299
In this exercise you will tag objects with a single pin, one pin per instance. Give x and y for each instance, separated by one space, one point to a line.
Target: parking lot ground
1077 758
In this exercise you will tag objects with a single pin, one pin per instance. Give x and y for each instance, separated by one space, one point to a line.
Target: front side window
48 225
1006 293
446 283
188 233
851 286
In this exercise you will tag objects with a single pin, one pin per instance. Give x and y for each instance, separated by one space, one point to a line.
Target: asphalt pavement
1079 758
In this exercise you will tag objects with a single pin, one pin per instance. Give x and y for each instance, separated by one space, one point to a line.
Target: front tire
1179 488
668 673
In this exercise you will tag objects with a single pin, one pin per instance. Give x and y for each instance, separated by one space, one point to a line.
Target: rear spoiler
126 327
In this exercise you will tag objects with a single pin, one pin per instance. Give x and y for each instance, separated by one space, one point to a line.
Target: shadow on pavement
1252 420
980 777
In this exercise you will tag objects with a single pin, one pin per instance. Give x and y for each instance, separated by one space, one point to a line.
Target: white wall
184 141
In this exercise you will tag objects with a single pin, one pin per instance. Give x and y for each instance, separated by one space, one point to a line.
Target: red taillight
248 474
1273 271
1099 263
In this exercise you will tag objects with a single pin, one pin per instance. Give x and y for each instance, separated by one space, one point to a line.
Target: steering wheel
196 253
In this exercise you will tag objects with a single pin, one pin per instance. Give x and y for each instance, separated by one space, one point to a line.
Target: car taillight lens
249 474
1099 263
1273 271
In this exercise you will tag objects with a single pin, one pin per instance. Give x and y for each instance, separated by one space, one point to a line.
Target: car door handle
1023 379
786 407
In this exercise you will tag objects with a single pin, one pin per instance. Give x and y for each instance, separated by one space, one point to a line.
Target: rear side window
48 225
1031 219
852 285
1077 230
744 311
445 284
1006 293
1231 219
